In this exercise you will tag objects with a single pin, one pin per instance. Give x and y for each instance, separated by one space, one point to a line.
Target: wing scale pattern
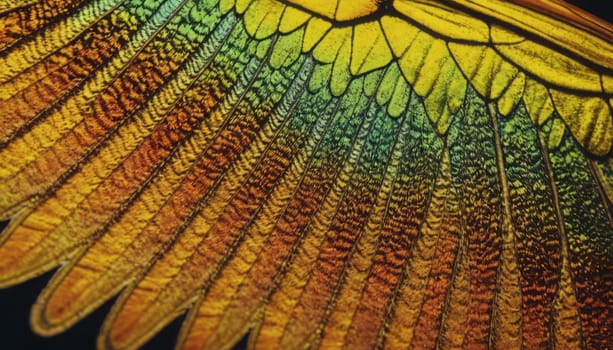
410 174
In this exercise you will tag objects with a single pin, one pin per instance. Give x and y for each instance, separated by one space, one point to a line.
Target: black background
15 302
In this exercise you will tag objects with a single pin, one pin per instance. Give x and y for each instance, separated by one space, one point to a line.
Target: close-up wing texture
319 174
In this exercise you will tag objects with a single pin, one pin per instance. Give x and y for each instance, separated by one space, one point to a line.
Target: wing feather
408 174
517 46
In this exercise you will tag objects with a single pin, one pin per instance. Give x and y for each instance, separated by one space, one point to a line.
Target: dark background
15 302
601 8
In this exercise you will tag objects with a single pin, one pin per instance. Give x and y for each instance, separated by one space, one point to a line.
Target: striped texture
409 176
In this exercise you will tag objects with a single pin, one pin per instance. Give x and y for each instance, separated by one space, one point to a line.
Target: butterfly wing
411 174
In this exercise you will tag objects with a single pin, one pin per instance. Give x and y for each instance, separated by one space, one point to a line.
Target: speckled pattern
377 174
